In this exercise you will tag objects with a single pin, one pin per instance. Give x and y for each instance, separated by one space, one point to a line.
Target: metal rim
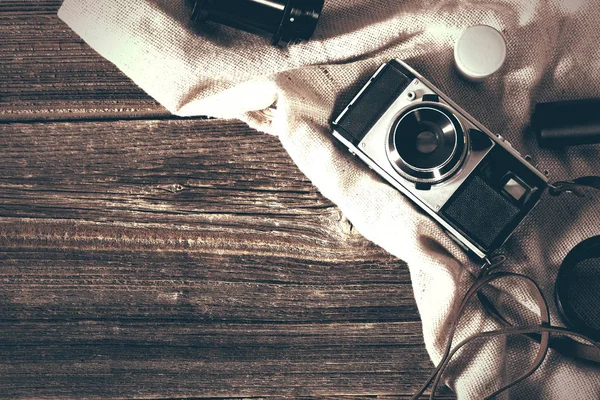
588 249
440 172
277 37
285 33
198 13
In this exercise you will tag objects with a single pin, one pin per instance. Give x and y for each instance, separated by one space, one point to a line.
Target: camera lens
287 20
425 138
427 144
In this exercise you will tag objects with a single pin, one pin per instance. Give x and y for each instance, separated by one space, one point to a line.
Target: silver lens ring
427 143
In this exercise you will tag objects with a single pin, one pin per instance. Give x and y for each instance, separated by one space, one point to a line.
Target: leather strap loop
575 186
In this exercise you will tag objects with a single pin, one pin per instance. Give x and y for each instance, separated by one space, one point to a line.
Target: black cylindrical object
287 20
576 292
567 123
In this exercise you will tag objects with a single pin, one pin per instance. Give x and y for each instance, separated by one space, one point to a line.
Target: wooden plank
200 193
186 258
187 359
47 72
165 284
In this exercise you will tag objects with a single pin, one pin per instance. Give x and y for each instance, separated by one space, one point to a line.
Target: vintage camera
472 182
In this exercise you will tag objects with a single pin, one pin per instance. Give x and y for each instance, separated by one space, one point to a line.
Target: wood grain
47 72
145 256
195 191
137 254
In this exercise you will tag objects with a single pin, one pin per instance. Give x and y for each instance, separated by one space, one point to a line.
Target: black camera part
376 97
494 200
576 291
288 21
567 123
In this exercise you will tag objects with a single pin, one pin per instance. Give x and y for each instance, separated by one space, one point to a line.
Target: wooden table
146 256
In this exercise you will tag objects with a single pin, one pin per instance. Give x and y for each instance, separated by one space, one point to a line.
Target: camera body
472 182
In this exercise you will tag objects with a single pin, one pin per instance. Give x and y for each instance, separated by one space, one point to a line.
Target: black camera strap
562 342
564 345
540 333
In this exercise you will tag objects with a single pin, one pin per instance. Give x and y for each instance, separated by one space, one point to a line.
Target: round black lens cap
577 289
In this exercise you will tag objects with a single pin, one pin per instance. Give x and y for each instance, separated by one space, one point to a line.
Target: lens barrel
427 144
567 123
289 21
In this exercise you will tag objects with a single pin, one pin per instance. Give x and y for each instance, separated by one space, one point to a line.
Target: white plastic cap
479 52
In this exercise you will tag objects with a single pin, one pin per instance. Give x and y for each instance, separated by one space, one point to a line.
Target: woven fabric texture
553 54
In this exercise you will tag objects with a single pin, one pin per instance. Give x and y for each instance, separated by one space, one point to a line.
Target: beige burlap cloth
554 54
